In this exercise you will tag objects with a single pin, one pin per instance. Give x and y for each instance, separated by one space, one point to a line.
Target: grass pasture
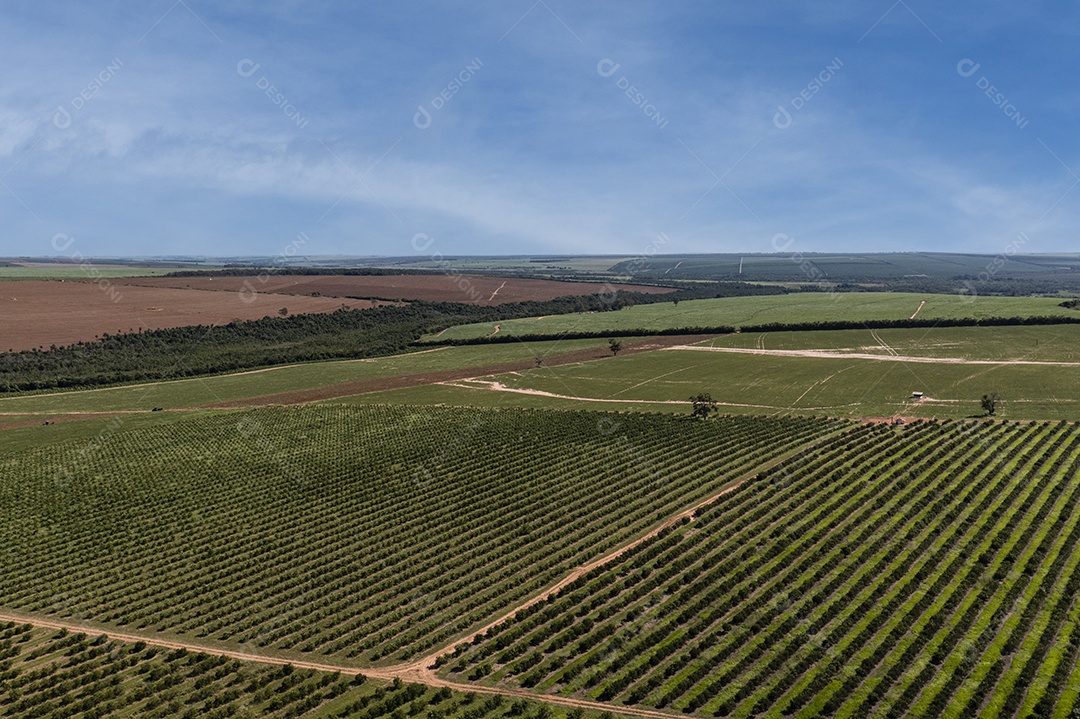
833 379
926 571
800 307
1043 343
362 534
756 384
76 272
222 389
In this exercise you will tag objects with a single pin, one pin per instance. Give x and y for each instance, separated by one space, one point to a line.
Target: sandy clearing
832 354
917 310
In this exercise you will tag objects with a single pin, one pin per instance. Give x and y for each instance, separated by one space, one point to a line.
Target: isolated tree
283 311
675 302
539 361
616 347
703 405
990 402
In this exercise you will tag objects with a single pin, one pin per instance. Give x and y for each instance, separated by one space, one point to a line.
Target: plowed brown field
40 313
473 289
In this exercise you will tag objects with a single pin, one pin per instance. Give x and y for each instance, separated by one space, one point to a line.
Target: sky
283 128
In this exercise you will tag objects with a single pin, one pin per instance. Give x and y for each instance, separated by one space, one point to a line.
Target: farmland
43 313
297 378
462 521
792 308
845 373
1053 343
352 520
53 271
437 287
926 571
46 672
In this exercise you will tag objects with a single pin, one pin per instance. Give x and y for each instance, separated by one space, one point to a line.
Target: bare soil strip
917 310
830 354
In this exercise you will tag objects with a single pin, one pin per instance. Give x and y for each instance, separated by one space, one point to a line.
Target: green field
77 272
366 534
1044 343
928 571
199 391
833 385
800 307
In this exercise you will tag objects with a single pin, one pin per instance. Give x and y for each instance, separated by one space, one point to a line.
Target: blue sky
182 127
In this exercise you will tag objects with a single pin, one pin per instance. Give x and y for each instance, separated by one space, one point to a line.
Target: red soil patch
472 289
40 313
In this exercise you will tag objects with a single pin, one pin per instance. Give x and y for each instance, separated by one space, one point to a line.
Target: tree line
766 327
159 354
